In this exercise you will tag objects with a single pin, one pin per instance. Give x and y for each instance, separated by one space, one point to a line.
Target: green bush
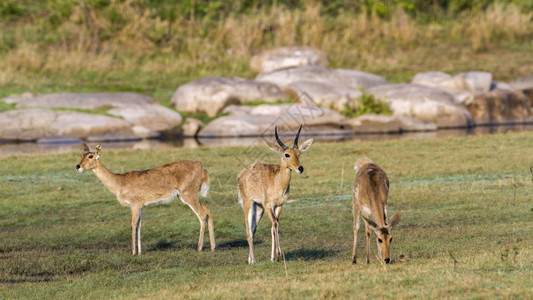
368 105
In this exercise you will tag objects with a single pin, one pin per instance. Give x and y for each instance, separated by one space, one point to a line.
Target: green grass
467 217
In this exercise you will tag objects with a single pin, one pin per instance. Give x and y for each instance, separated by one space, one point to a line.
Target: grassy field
466 225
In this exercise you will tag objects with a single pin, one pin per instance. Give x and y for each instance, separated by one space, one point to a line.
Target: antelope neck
109 179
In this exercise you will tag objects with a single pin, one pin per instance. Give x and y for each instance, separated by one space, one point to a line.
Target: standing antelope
370 198
158 185
265 187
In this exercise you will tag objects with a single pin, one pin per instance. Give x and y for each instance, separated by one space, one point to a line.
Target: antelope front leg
278 212
139 222
134 223
367 234
274 231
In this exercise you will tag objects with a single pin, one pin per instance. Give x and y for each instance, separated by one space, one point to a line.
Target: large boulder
324 94
452 85
423 103
261 121
81 100
192 126
349 79
33 124
473 82
500 106
523 84
372 123
138 110
288 57
211 95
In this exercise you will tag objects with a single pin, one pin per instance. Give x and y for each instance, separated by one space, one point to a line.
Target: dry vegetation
124 45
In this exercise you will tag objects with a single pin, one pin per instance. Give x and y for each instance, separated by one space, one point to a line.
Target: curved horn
297 136
283 146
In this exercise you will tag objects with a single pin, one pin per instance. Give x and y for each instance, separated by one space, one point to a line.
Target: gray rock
463 86
324 94
501 106
372 123
191 127
288 57
263 118
211 95
236 110
137 109
423 103
33 124
348 79
82 100
523 84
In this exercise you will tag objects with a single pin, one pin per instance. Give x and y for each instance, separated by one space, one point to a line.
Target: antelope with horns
183 179
265 187
369 197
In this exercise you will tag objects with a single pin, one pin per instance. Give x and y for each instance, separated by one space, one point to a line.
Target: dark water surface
9 149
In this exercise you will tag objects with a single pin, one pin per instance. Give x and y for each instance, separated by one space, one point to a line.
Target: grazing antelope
265 187
136 189
370 199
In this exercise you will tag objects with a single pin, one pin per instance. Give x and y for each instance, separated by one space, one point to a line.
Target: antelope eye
380 240
90 156
287 155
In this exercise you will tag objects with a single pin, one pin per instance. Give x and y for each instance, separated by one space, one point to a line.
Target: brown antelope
265 187
369 197
136 189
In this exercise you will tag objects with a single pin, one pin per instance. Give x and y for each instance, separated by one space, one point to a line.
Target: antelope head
89 159
383 234
290 157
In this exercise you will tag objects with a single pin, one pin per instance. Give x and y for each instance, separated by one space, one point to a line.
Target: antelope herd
262 188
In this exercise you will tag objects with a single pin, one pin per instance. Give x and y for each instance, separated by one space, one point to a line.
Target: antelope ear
371 223
395 219
305 145
98 149
85 148
274 148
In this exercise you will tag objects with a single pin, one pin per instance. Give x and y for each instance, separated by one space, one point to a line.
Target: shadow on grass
309 254
236 244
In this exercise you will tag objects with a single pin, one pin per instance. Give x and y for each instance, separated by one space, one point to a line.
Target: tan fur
158 185
264 188
369 197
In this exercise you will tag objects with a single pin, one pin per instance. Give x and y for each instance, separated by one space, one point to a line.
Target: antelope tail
204 188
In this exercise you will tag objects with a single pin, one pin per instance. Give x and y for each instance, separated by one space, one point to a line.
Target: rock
423 103
500 106
477 82
463 86
137 109
191 127
523 84
348 79
454 86
33 124
152 116
263 118
235 110
288 57
82 100
325 95
372 123
211 95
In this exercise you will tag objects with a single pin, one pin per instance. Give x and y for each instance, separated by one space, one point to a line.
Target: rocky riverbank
294 86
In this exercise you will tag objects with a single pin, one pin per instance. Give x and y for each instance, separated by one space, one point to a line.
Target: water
9 149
